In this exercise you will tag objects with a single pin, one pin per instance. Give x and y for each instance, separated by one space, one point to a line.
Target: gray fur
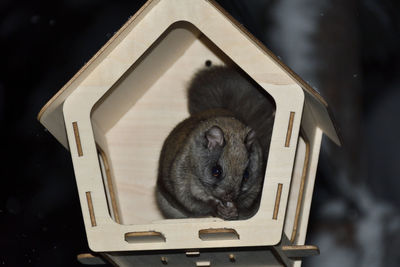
228 88
216 135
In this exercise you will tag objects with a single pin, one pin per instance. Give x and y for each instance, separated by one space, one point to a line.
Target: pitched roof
51 115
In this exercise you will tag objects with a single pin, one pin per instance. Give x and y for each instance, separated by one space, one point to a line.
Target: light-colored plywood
296 194
279 172
314 136
323 118
117 111
303 178
135 141
109 185
102 91
51 114
300 196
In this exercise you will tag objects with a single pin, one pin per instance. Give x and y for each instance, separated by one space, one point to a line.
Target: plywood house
115 113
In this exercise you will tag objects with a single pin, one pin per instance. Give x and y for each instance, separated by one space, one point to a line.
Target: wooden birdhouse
115 113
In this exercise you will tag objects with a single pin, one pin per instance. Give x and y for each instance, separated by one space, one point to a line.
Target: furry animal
212 163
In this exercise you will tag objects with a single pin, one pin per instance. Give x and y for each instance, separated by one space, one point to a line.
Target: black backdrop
44 43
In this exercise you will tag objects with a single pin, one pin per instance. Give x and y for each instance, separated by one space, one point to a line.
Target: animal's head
230 166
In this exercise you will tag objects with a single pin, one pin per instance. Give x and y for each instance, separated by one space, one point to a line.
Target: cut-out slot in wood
105 166
289 130
91 210
277 202
77 139
193 253
218 234
203 264
144 237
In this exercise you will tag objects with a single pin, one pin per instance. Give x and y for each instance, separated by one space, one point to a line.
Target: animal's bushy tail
229 88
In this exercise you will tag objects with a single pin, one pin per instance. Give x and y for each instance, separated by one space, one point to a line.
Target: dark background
347 50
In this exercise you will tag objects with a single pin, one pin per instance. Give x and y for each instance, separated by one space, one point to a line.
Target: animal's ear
215 137
249 140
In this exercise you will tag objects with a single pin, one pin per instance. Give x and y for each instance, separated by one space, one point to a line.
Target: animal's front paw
227 211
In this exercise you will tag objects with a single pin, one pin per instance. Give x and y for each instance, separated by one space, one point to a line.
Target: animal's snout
229 196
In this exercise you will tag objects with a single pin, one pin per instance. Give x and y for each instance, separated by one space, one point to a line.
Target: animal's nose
229 196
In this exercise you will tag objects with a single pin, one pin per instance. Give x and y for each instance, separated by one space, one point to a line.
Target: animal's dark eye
245 175
216 171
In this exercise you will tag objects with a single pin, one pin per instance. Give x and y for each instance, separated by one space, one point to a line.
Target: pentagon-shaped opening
132 120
